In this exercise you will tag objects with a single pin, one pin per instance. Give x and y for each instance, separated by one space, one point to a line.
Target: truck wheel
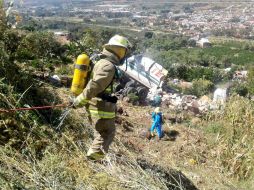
130 90
130 84
142 93
118 87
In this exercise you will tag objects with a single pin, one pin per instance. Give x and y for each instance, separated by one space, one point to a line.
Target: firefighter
157 122
97 98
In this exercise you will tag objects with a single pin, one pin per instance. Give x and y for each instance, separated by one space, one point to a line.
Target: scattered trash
192 162
55 80
220 96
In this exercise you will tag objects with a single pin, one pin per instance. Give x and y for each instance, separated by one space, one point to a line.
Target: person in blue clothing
157 122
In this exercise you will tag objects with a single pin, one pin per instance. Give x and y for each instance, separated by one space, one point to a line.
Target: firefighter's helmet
157 110
120 41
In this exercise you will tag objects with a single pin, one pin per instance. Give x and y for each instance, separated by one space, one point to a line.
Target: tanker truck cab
141 74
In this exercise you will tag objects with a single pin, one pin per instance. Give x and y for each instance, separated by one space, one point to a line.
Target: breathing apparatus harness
83 69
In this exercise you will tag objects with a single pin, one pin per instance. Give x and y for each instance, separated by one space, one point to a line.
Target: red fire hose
33 108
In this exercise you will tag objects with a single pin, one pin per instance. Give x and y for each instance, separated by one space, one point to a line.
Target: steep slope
43 154
182 148
181 158
46 150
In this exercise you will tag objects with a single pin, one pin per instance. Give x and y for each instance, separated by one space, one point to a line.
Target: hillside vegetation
45 149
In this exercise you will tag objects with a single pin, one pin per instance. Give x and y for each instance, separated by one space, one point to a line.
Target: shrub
190 73
239 88
201 87
38 45
12 39
133 98
173 87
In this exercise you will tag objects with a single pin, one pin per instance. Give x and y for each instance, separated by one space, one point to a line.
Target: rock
188 98
145 134
170 118
126 99
120 110
195 104
148 135
205 100
127 126
195 120
118 120
204 103
195 110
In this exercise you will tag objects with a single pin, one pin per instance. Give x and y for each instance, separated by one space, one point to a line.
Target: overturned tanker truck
140 74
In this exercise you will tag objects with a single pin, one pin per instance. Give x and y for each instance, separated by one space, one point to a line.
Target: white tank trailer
140 74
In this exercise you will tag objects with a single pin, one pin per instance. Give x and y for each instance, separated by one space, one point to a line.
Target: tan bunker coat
102 111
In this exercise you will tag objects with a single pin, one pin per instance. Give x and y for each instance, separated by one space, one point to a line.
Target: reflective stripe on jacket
102 114
102 109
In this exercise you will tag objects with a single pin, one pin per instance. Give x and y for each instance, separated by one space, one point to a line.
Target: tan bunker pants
103 134
103 118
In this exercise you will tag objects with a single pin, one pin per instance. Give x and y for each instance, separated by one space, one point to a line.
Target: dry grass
234 144
46 157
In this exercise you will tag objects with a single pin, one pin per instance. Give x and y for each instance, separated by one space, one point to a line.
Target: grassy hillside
45 149
36 150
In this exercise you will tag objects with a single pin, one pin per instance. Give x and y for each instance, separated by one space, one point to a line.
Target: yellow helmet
118 40
157 110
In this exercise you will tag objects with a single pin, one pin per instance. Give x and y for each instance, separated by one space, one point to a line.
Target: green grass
237 56
213 128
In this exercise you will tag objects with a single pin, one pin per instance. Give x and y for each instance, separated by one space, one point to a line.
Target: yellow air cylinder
81 69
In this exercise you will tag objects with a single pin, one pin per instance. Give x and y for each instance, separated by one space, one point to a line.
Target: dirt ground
182 148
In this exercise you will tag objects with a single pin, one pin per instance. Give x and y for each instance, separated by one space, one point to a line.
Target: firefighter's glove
113 99
80 101
71 102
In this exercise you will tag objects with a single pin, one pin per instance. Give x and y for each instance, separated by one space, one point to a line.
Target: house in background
62 37
240 75
204 43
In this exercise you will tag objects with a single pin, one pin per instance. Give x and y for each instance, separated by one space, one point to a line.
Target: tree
149 35
3 27
201 87
3 22
226 61
38 45
191 43
239 88
12 40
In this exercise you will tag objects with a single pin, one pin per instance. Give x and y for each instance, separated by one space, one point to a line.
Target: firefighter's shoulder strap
90 72
116 75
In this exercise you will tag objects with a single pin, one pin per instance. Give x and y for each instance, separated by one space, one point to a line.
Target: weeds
235 144
36 154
